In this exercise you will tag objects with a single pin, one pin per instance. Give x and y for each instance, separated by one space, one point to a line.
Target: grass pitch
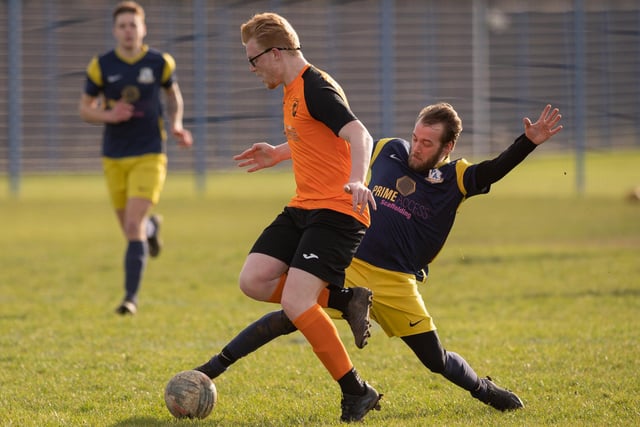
537 287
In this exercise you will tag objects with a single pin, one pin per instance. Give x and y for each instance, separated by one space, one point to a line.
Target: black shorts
321 242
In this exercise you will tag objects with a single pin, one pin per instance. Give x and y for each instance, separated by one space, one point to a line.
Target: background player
418 190
128 79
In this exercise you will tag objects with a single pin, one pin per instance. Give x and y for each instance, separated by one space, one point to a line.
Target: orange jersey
315 109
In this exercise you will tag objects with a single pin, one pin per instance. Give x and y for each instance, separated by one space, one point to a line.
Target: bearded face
427 150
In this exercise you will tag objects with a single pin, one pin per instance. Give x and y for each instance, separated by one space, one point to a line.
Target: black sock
134 262
351 383
254 336
217 364
339 297
480 391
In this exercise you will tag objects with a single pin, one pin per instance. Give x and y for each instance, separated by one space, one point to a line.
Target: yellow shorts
137 176
397 306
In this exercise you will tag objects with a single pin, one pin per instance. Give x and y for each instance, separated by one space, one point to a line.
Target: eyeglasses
252 60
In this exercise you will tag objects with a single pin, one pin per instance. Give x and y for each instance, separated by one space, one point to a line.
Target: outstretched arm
545 127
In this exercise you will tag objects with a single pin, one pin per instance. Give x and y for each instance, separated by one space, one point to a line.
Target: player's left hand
183 136
361 195
545 127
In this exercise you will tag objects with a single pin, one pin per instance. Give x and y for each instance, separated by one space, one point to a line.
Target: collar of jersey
443 162
143 51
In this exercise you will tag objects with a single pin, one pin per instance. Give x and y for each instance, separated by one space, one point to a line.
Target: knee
133 230
254 285
435 358
247 284
429 350
436 362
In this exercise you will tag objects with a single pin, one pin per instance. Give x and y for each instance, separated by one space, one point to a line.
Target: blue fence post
637 121
200 97
523 71
51 97
14 62
387 65
579 92
481 120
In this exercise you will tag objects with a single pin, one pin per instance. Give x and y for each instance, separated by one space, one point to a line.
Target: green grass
537 287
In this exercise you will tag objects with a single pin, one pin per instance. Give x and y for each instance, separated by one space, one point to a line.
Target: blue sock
134 263
458 371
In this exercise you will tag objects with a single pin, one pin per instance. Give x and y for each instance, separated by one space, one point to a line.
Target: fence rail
495 61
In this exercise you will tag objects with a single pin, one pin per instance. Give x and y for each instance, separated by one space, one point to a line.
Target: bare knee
251 285
133 230
260 276
300 293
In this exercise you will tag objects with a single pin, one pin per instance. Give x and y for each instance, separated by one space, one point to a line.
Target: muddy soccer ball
190 394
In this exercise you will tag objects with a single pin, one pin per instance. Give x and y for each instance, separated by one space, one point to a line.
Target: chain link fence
495 61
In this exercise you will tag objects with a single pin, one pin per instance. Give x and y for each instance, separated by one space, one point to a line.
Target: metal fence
495 61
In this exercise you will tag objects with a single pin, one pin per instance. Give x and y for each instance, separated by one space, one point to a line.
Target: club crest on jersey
434 176
294 108
146 76
405 186
130 94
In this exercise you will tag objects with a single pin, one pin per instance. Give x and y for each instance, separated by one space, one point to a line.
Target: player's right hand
361 196
261 155
120 112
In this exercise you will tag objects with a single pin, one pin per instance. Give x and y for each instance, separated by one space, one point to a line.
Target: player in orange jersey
311 243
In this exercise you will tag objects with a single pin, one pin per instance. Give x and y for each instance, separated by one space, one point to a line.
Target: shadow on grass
145 422
155 422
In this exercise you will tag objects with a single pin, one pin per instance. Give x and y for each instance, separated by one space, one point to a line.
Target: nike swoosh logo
115 78
310 256
412 324
394 157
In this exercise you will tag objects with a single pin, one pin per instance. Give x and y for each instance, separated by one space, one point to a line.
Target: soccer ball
190 394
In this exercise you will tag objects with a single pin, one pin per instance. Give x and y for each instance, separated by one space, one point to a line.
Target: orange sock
322 334
323 298
276 296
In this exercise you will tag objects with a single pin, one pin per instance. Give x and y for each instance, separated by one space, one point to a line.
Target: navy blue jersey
138 82
415 212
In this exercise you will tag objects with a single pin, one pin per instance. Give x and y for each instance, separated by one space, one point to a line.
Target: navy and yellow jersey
415 212
139 82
